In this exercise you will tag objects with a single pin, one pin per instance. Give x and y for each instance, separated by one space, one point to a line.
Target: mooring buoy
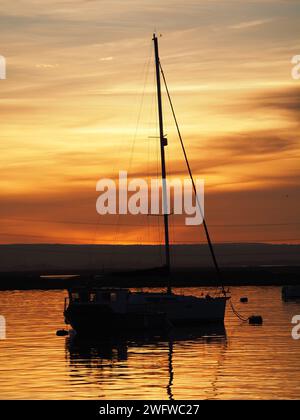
62 333
255 320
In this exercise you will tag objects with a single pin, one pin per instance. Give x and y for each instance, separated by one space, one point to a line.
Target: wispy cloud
106 58
70 113
251 24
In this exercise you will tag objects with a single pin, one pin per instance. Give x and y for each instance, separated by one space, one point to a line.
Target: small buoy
255 320
62 333
243 299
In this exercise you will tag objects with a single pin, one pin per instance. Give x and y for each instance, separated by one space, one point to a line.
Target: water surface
242 362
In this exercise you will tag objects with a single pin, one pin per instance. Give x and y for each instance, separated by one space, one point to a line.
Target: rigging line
212 252
236 313
193 183
146 74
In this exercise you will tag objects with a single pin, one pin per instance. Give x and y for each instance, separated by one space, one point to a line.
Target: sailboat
107 310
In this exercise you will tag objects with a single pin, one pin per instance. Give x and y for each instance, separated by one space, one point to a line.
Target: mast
163 144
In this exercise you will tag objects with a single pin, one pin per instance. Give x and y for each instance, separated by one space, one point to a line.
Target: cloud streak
251 24
79 101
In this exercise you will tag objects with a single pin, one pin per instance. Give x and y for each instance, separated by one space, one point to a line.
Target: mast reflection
96 358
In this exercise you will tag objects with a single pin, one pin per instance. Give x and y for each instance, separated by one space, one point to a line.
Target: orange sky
78 104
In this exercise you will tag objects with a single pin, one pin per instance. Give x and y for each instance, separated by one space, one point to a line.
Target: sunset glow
79 104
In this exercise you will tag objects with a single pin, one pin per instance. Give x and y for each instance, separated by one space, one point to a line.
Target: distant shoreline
181 277
21 266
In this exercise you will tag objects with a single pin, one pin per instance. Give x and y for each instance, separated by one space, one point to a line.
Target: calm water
244 362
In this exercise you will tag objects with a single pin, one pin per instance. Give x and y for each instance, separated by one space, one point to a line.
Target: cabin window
93 297
113 297
75 297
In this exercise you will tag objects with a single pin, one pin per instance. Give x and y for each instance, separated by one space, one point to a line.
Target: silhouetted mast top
163 144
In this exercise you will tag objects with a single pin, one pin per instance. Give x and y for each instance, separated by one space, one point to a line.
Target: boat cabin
115 298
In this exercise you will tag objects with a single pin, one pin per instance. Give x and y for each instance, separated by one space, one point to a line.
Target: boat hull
95 319
98 320
186 311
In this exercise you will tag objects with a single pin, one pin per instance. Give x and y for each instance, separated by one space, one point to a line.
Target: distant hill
69 258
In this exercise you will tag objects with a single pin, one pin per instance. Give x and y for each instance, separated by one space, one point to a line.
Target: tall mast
163 144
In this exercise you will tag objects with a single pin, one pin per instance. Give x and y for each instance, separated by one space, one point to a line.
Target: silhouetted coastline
185 277
23 265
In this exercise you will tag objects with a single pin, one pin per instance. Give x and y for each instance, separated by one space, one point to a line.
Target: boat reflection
105 362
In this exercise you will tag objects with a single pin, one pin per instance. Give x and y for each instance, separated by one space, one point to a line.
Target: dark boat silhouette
94 310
